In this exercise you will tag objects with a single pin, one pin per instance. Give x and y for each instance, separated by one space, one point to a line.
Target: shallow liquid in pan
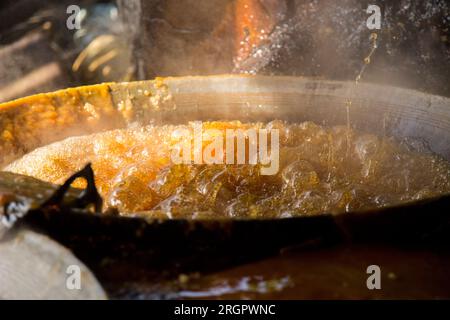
316 169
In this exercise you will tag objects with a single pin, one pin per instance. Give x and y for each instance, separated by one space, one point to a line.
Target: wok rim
112 86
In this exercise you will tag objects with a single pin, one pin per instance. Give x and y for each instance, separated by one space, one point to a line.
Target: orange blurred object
253 22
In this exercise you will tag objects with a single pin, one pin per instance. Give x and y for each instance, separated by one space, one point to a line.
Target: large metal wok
141 244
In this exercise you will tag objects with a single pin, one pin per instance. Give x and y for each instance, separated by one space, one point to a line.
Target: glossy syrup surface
321 169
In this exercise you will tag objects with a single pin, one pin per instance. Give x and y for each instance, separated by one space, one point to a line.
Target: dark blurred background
140 39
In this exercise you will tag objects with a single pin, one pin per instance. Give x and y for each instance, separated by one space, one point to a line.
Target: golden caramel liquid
321 169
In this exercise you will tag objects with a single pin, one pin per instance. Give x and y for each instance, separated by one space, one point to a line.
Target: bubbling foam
321 169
